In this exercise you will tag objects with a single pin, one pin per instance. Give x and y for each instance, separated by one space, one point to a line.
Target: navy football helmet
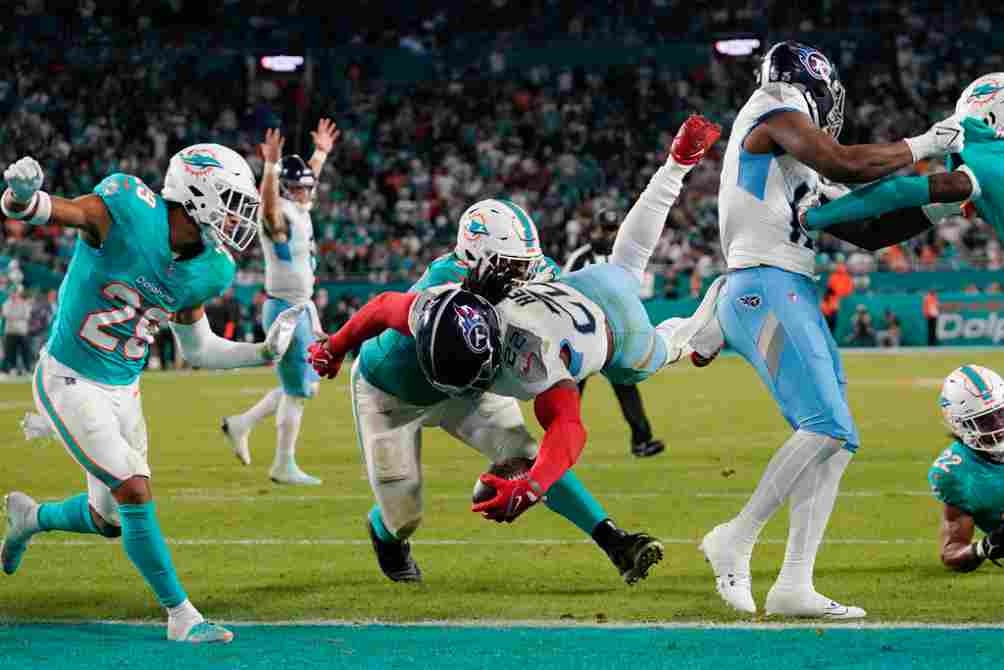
459 342
606 223
812 73
294 172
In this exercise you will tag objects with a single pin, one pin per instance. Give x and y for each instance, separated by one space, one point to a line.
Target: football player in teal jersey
393 402
140 259
968 476
895 209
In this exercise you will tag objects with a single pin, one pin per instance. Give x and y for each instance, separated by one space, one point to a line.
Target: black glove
991 546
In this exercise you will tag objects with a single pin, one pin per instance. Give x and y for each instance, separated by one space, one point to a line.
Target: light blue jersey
115 297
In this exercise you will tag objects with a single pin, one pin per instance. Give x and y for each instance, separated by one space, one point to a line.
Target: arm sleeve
389 310
203 349
564 438
871 201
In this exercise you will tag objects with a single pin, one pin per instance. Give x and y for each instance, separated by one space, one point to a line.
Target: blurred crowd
127 83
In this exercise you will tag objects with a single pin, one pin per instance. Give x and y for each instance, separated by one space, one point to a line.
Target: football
512 468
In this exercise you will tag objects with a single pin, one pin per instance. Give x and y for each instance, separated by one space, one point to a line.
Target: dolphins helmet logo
200 161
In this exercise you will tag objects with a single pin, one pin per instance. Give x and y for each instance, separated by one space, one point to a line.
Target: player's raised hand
324 361
280 335
24 178
693 140
326 135
271 148
512 498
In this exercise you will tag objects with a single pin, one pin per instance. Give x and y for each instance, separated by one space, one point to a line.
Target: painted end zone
62 646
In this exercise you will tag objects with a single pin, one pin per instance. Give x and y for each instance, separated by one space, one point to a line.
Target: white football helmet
216 187
502 230
984 100
972 403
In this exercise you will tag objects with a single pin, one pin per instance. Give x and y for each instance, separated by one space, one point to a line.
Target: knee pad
516 443
290 409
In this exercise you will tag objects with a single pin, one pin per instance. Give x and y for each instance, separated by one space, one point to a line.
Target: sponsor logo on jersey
200 161
150 287
473 327
984 92
815 64
751 301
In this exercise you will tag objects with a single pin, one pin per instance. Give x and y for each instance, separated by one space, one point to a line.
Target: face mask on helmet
215 186
972 401
808 70
606 223
297 182
459 343
502 231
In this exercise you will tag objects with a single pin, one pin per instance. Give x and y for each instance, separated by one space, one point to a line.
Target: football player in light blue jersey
287 191
141 259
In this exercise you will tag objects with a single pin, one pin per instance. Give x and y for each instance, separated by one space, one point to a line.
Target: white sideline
342 542
559 624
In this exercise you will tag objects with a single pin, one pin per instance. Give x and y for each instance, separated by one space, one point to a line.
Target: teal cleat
21 511
206 632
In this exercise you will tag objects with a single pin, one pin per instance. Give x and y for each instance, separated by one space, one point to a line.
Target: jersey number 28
147 322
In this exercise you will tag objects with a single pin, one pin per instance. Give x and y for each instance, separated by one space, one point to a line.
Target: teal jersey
114 298
984 155
390 360
962 478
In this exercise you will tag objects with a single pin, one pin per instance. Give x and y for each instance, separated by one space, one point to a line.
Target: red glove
325 363
968 209
512 498
693 140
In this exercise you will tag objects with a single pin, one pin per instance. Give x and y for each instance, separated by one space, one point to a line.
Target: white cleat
732 570
237 435
700 332
806 602
203 632
21 511
292 474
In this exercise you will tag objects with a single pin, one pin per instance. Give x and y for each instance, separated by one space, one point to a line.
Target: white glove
281 333
35 427
826 191
24 178
944 137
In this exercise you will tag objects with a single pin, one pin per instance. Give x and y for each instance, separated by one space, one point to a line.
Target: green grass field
248 550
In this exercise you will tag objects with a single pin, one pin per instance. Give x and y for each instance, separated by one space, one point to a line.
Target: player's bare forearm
316 162
558 411
272 218
957 550
796 134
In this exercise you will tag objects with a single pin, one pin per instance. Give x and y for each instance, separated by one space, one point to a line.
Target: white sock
811 504
641 229
181 618
778 480
288 418
267 406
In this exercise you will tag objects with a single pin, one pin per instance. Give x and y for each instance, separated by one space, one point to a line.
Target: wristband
20 215
43 209
978 550
318 155
271 168
920 146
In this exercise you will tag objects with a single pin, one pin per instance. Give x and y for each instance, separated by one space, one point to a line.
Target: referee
601 241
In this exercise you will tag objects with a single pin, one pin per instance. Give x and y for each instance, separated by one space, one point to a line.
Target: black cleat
648 448
632 554
395 558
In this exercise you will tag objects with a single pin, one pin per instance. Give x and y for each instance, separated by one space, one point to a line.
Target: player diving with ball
541 338
141 259
393 401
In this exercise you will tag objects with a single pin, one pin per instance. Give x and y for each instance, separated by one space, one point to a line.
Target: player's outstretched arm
272 218
204 349
558 412
958 551
796 134
891 210
388 310
324 137
24 200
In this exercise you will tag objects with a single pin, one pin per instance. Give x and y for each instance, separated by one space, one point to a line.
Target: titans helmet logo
473 327
815 64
